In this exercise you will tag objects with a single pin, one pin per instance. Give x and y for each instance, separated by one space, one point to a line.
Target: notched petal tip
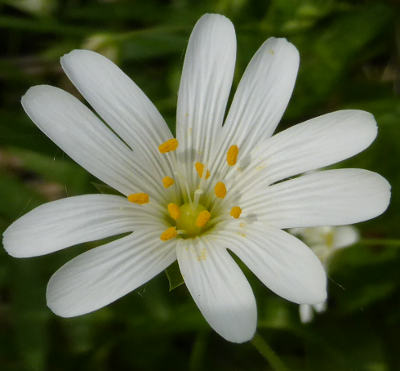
10 241
59 312
384 188
377 199
27 95
215 24
73 62
35 92
238 332
78 54
367 124
275 45
59 306
10 248
245 336
37 99
214 17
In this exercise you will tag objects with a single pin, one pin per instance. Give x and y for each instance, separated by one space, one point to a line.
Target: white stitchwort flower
214 187
324 242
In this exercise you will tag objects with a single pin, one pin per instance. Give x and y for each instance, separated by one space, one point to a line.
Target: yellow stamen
220 190
174 211
203 218
329 239
139 198
200 168
167 181
236 211
168 146
232 154
168 234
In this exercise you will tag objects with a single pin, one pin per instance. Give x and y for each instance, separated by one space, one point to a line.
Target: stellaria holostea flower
211 189
324 242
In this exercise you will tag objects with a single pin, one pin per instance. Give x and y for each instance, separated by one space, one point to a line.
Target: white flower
239 203
324 242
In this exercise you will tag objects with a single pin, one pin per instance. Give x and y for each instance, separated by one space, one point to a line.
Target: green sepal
174 276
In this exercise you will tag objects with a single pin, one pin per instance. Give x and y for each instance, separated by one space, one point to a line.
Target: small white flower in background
211 189
324 242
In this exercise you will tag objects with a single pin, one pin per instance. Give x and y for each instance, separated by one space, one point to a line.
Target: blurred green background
350 53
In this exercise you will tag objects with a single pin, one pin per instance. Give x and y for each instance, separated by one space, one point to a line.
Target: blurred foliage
350 54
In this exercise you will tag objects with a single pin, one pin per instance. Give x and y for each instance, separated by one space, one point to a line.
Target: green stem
268 354
198 351
380 241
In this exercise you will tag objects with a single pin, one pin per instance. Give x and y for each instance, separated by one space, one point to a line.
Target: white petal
119 101
281 261
345 236
70 221
205 85
316 143
219 288
78 132
102 275
262 95
331 197
320 307
306 313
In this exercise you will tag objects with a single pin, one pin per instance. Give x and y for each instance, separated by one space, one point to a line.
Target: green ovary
187 219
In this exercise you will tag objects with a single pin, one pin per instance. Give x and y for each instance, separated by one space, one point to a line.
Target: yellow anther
236 211
200 168
202 219
220 190
167 181
168 234
232 154
139 198
168 146
174 211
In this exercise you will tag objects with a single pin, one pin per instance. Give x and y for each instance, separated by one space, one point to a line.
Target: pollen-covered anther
202 219
168 146
235 212
200 168
174 211
168 234
139 198
232 155
220 190
167 182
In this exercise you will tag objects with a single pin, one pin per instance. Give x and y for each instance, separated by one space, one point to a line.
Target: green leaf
18 198
55 168
174 276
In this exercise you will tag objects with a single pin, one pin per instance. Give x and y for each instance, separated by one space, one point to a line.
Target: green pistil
187 219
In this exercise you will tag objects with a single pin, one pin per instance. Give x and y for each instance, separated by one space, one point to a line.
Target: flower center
192 217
